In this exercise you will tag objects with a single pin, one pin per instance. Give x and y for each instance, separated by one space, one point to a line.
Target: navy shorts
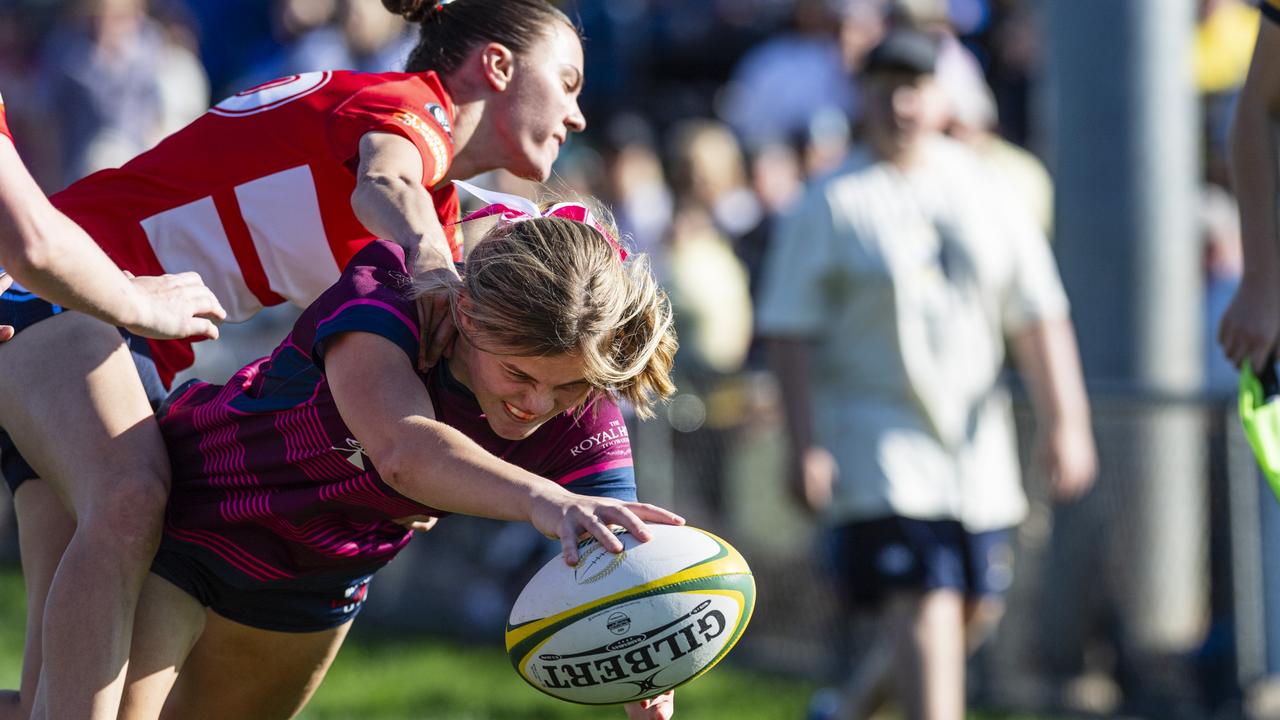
297 606
21 309
876 557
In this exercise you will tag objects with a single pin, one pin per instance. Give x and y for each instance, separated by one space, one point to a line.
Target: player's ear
463 315
498 64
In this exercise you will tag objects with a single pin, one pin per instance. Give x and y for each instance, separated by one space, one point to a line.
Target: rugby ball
621 627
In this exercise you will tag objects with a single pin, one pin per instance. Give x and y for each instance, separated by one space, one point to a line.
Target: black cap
904 50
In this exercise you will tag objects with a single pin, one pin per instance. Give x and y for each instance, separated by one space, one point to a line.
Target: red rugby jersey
4 123
255 195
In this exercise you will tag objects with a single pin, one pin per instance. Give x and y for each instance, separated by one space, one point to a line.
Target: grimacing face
518 393
542 102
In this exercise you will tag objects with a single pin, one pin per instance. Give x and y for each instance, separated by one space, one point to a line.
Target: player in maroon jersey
289 479
55 259
265 197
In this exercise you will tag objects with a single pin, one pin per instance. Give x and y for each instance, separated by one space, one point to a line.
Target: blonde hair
553 286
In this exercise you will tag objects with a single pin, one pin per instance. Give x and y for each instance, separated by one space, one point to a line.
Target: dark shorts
21 309
305 605
876 557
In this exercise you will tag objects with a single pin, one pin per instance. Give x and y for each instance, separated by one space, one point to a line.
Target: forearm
1253 156
440 467
1253 170
1049 361
391 201
789 360
52 256
399 211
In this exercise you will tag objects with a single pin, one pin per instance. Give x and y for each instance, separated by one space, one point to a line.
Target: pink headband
513 208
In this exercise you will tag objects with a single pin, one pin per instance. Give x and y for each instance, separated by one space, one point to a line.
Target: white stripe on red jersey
255 195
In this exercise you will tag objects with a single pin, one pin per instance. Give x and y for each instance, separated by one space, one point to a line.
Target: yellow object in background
1224 46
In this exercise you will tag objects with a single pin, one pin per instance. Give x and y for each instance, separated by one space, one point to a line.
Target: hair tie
440 4
513 208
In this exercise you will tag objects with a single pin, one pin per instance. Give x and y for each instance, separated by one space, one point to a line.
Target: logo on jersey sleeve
436 143
441 117
355 453
606 438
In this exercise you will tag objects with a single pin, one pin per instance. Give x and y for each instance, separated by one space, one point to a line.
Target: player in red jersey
1250 328
54 258
265 196
288 479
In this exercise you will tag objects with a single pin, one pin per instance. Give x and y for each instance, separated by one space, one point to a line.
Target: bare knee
127 518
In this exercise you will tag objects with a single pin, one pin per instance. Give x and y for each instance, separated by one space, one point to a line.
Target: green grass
428 677
439 680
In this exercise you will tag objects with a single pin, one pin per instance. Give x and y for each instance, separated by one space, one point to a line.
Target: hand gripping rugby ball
622 627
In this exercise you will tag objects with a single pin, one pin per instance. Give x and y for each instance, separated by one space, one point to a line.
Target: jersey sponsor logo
438 146
614 434
640 665
441 117
271 95
354 453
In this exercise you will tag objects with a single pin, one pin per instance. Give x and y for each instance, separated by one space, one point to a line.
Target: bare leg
981 616
71 399
44 529
930 657
168 625
236 671
867 685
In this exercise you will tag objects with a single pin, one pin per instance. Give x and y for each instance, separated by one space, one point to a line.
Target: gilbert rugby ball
622 627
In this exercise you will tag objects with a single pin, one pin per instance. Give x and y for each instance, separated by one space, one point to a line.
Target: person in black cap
886 300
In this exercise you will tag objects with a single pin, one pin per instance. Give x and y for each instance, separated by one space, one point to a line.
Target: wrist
136 310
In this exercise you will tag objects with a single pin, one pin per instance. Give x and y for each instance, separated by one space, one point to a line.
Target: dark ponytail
449 32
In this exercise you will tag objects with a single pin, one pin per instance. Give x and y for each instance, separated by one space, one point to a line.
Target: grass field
425 677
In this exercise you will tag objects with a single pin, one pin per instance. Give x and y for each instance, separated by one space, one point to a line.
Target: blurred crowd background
706 118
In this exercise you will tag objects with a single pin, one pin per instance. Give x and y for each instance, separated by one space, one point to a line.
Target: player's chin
539 161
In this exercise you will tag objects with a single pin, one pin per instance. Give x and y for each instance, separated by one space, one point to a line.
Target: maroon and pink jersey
255 195
268 479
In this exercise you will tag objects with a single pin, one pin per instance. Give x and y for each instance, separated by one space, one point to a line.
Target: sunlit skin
542 101
517 393
901 109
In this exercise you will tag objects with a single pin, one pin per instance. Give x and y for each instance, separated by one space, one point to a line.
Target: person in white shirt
887 298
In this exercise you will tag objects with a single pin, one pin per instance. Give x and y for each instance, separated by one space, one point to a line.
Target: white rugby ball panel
600 573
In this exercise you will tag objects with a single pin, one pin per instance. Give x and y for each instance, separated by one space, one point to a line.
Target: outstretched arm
384 403
54 258
1250 328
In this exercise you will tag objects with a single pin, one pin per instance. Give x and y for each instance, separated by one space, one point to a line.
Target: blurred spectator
971 107
636 187
707 168
781 84
100 86
184 86
887 298
333 35
707 284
